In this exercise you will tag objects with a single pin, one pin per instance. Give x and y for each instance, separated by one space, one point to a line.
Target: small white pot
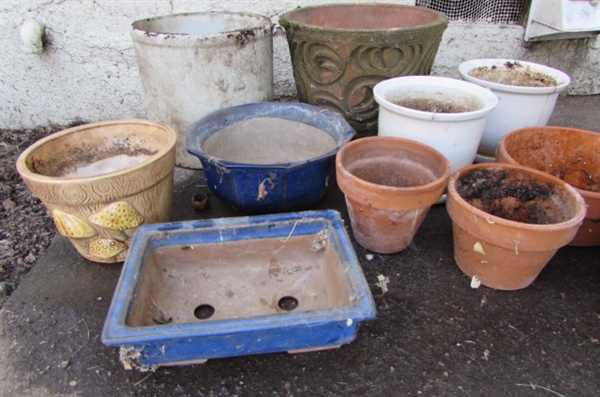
518 106
456 135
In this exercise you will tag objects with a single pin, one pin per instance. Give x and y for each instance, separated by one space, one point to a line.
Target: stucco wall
88 71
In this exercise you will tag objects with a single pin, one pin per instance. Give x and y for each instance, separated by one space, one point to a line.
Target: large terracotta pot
340 51
509 221
389 183
571 154
100 181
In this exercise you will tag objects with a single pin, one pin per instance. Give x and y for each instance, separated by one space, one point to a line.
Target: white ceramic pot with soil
193 64
446 114
101 181
527 93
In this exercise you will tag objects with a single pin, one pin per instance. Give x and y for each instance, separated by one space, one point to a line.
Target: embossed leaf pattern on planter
72 226
345 84
380 59
323 64
117 216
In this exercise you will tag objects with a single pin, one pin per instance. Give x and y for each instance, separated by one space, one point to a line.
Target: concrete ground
433 334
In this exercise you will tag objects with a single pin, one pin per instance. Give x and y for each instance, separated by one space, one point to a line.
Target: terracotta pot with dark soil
389 183
509 221
570 154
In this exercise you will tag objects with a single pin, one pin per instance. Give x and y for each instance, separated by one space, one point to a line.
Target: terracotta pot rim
563 79
26 173
502 149
351 183
381 89
575 220
395 189
438 18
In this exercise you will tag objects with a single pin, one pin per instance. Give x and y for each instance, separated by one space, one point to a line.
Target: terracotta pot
100 181
389 184
509 221
570 154
340 51
518 106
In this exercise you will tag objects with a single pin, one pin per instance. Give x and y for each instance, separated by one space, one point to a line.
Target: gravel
26 229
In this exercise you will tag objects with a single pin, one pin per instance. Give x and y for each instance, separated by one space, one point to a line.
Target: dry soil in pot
509 221
570 154
513 73
501 194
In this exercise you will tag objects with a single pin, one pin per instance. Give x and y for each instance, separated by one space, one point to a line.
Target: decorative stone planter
340 51
193 291
446 114
269 157
193 64
519 106
570 154
509 221
389 184
101 181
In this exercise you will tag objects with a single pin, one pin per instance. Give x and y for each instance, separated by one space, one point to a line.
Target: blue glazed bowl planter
198 290
269 188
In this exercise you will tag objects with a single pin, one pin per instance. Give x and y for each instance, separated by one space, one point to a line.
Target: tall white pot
518 106
456 135
192 64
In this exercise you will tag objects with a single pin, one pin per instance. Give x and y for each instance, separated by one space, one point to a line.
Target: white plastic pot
518 106
456 135
193 64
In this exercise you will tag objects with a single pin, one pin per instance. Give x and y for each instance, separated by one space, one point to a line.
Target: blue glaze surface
289 186
284 331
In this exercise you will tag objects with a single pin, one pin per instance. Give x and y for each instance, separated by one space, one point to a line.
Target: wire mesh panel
481 11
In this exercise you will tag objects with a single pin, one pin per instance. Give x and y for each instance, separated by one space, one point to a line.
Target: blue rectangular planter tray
196 290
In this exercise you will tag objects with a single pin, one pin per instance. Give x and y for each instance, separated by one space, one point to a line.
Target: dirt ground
25 227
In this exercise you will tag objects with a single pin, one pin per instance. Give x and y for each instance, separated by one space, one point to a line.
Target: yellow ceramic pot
100 181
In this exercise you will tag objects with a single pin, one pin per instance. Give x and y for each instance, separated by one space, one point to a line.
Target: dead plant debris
510 196
515 74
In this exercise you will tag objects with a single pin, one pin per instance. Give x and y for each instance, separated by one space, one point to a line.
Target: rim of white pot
561 78
416 84
192 26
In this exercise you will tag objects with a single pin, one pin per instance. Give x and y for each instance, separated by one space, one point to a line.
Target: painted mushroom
117 217
72 226
106 248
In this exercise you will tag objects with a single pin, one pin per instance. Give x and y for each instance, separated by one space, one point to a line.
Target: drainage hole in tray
288 303
204 311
